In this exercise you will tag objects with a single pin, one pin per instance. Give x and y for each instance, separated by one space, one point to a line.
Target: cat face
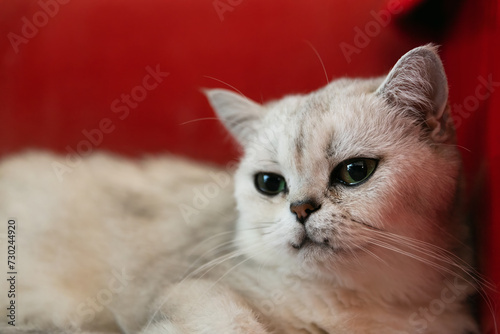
345 176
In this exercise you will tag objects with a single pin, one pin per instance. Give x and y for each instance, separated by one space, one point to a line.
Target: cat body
345 219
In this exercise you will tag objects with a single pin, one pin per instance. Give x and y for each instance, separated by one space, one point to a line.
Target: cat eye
354 171
269 183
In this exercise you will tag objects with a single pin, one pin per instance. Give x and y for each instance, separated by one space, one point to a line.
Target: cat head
350 177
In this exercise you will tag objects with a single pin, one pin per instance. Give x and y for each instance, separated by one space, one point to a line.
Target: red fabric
471 54
65 78
60 84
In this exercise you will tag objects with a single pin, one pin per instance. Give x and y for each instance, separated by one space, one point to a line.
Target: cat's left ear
239 114
417 87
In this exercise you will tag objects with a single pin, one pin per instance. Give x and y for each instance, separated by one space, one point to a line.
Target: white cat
347 220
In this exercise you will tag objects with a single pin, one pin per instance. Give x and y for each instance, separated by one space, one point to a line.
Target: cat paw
202 307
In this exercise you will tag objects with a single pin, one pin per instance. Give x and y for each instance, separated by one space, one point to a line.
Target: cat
346 218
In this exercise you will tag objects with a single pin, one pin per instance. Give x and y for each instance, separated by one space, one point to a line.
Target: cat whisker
166 298
367 251
364 224
208 267
233 243
472 277
224 234
479 283
441 254
200 119
268 161
221 234
213 263
223 247
239 251
225 83
401 251
261 250
354 255
454 145
320 60
255 254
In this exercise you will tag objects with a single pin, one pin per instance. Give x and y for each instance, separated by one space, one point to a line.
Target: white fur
157 235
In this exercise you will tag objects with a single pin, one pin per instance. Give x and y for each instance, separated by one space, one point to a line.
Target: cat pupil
357 170
272 183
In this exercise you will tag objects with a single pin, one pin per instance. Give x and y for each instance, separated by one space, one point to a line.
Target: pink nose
303 209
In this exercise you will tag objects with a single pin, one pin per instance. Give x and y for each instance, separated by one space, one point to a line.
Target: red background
63 79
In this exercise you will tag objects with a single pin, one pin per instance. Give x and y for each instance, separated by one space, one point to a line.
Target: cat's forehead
340 101
341 119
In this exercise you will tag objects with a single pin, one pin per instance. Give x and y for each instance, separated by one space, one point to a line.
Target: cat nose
303 209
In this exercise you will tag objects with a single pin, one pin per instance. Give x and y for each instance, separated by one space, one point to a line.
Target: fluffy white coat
160 245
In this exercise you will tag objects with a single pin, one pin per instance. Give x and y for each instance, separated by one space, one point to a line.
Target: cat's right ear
417 87
239 114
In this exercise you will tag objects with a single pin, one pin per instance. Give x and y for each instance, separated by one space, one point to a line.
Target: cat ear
417 86
239 114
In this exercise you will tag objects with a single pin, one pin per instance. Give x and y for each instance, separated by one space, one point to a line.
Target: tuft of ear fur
417 87
239 114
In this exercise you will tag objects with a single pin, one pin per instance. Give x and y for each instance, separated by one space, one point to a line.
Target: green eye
354 171
269 183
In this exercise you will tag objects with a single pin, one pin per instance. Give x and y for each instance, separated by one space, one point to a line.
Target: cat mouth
308 243
308 247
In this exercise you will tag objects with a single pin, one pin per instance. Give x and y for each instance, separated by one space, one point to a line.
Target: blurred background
125 76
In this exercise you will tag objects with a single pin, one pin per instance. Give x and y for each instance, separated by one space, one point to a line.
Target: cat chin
310 249
327 261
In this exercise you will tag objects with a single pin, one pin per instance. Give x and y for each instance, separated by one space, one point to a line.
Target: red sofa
122 75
